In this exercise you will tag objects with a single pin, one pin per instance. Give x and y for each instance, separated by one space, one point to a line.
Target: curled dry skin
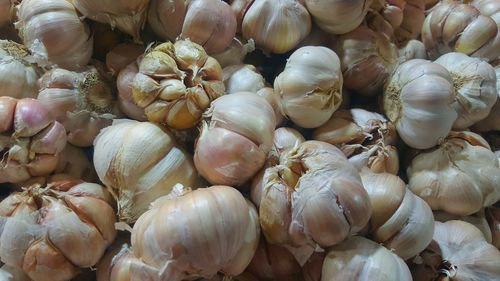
52 231
176 83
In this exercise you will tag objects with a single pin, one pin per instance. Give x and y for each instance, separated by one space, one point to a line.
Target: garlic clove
42 165
50 140
125 100
7 110
122 55
30 117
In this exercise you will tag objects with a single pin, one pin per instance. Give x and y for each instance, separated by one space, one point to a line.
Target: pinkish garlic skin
122 55
125 101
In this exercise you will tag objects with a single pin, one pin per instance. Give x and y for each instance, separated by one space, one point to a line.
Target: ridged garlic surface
490 123
478 220
242 78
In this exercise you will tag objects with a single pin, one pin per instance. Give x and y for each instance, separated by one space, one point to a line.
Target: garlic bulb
39 26
176 83
136 174
273 99
455 27
52 231
179 239
418 100
210 23
312 197
385 16
367 57
124 83
235 139
490 123
458 252
379 158
401 221
475 85
30 140
414 49
128 16
460 176
310 86
82 101
359 259
338 16
122 55
242 78
477 219
413 19
277 26
235 53
493 217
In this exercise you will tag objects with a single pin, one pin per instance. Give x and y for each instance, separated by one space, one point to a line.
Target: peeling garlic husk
235 53
458 252
312 197
475 86
52 231
414 49
453 26
477 219
379 158
368 58
210 23
176 83
82 101
490 123
122 55
128 16
360 259
338 16
136 174
401 221
39 26
273 99
310 86
418 101
277 26
460 176
124 82
235 138
242 78
30 140
18 75
493 217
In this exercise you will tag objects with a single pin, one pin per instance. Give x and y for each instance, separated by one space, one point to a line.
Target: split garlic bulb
460 176
418 101
401 221
242 78
310 86
338 16
458 252
18 75
210 23
39 26
128 16
82 101
385 16
367 57
452 26
360 259
235 138
52 231
124 83
277 26
475 86
191 235
30 140
135 173
176 83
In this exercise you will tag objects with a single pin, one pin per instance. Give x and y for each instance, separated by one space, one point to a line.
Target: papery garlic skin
135 173
235 53
475 86
277 26
459 176
39 26
310 86
418 101
128 16
338 16
242 78
124 82
414 49
122 55
490 123
18 76
235 139
176 83
82 101
273 99
359 259
477 219
64 226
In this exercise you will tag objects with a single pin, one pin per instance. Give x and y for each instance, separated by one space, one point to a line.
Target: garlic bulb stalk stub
418 101
52 231
18 75
242 78
460 176
235 138
128 16
475 86
39 26
176 83
310 86
135 173
360 259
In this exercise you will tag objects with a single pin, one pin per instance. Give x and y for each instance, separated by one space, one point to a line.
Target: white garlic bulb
418 100
310 86
242 78
475 86
490 123
477 219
